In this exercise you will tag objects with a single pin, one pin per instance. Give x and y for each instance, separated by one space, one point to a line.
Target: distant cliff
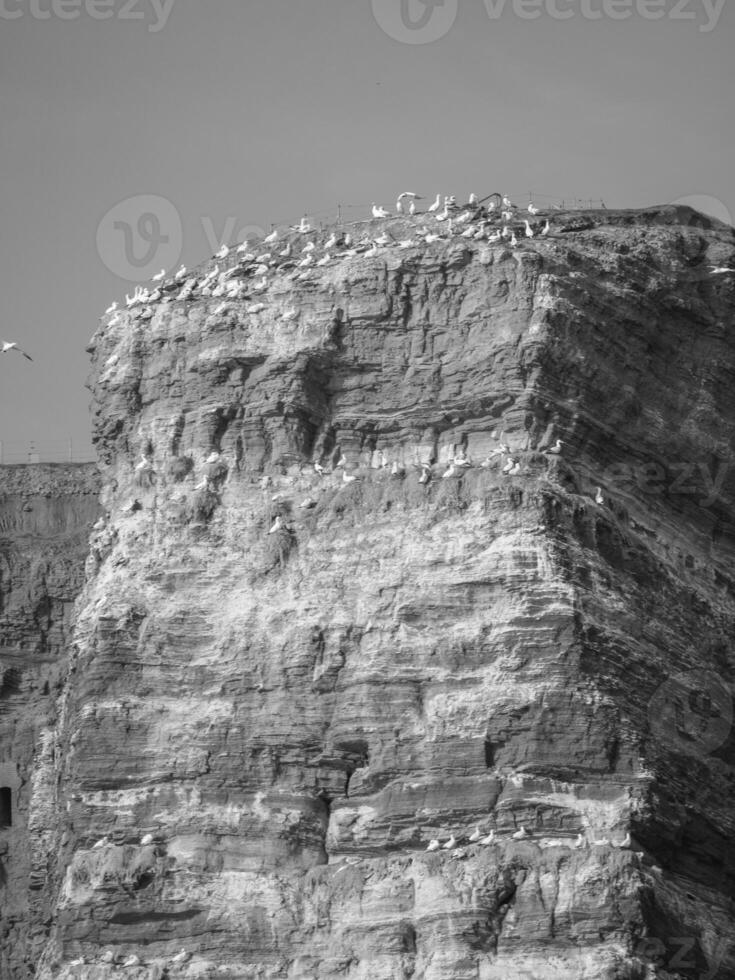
46 516
260 733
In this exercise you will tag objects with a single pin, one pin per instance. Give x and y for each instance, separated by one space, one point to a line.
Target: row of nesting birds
459 464
457 843
228 284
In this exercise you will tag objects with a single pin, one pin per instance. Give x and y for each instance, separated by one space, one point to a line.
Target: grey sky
260 110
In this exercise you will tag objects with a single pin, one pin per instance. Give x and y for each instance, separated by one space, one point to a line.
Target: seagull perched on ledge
720 270
380 212
9 345
276 526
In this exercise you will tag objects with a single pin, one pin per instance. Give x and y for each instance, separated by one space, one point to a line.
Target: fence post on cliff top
1 452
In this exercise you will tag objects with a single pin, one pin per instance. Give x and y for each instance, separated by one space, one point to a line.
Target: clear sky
241 113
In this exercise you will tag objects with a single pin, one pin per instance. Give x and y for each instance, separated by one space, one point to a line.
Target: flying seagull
12 346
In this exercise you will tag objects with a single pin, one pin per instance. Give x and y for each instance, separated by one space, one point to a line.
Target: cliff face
46 515
261 732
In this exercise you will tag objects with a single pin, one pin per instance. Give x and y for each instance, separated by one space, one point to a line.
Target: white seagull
720 270
555 450
529 230
520 834
474 837
380 212
9 345
546 229
599 499
437 204
532 209
161 275
452 842
223 252
276 526
111 308
433 845
269 239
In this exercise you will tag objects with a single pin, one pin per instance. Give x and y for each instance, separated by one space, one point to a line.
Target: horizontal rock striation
285 683
46 514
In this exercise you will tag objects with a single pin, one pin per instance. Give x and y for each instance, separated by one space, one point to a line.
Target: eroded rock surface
46 515
261 732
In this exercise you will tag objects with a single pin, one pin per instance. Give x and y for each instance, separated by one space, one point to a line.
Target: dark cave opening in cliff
6 807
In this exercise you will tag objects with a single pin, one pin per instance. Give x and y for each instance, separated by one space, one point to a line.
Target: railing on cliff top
356 213
46 451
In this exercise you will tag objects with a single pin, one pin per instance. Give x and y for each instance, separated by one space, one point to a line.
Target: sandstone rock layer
259 733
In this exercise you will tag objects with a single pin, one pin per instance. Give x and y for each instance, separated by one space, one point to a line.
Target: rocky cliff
286 681
46 515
